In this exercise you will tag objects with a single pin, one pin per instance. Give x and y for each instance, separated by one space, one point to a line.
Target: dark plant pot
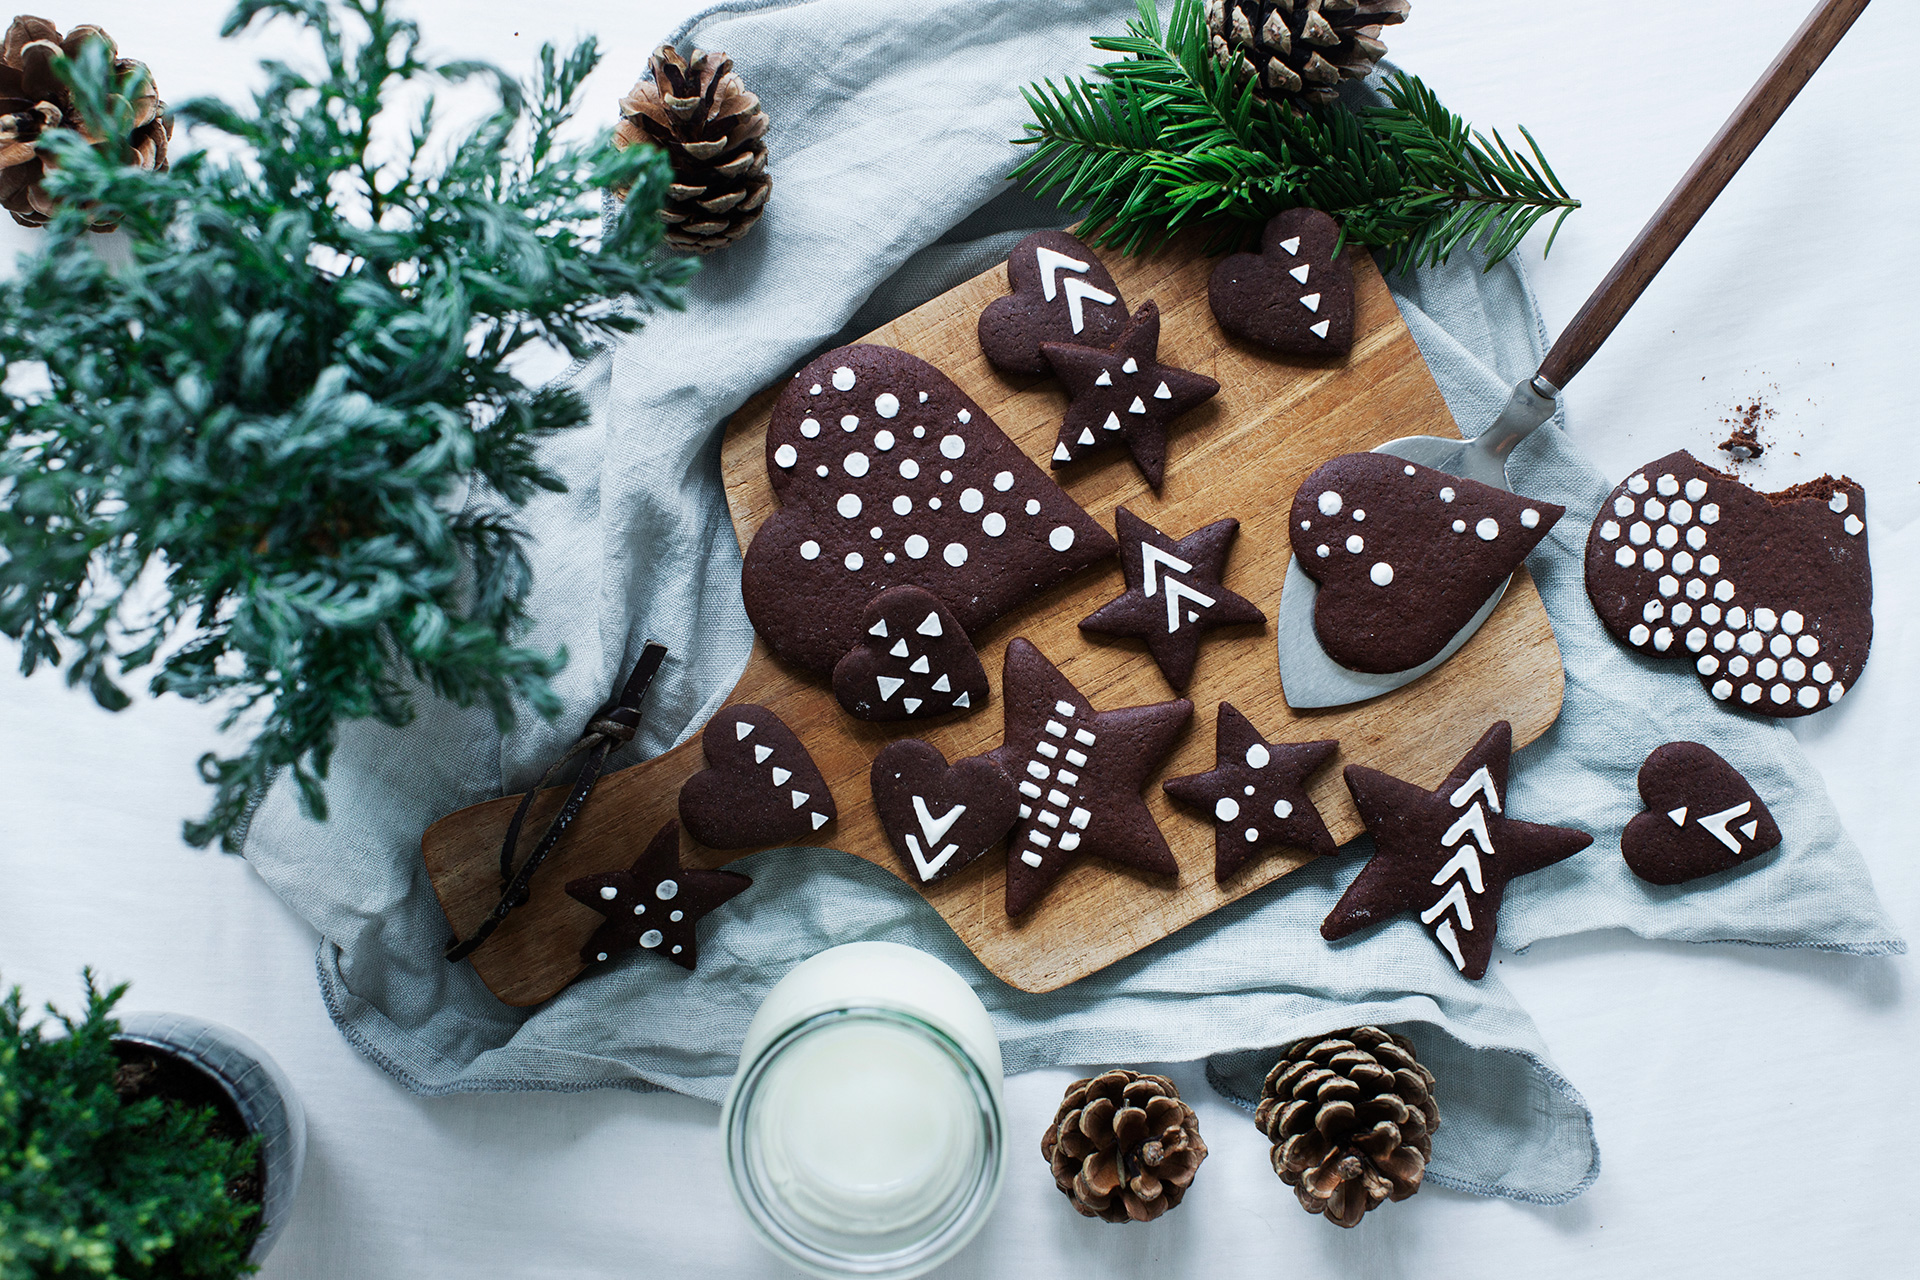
259 1090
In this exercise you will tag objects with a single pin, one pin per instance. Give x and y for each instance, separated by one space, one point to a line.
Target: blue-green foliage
249 471
94 1186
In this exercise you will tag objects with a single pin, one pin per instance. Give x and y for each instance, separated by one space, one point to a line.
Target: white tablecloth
1750 1104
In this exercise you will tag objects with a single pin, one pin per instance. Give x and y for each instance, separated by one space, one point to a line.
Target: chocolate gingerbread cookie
759 787
889 475
654 904
1446 855
1405 555
1768 595
914 662
1173 594
1061 293
1124 396
1256 793
937 817
1701 817
1079 773
1296 295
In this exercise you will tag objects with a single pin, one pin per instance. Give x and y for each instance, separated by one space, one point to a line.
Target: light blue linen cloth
889 152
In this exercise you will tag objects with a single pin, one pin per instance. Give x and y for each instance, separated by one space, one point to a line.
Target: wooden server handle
1704 181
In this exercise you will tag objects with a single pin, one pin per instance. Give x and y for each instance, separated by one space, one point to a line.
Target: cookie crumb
1743 443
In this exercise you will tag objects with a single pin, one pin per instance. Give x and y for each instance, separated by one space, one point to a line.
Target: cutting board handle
1723 157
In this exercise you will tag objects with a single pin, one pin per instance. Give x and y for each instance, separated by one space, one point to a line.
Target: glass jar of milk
864 1131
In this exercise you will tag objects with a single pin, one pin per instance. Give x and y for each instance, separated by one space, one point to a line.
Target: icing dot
1282 808
1707 665
1750 642
1061 538
1766 668
874 533
964 416
1355 544
786 455
1668 536
1529 518
888 557
1837 503
1407 469
1696 537
608 892
856 464
1749 693
1610 532
946 477
815 390
1723 640
1723 591
886 404
933 504
1710 514
917 546
1003 481
1697 639
1780 646
1822 672
1780 693
810 427
1807 645
1323 551
955 554
1653 559
1669 585
650 939
1696 488
1358 514
994 524
855 561
1306 524
1792 622
1710 565
1794 669
1722 690
1681 613
1253 833
1638 484
1381 573
1663 639
1679 512
1853 525
902 505
909 468
1640 535
849 505
923 397
1640 634
1033 506
1765 619
603 955
1246 790
849 423
971 500
666 890
1682 562
1623 557
1809 697
821 471
843 379
1833 693
1329 503
1446 495
1488 529
677 917
1653 609
1258 757
1460 526
1738 665
809 550
919 433
1667 485
1226 809
952 446
1654 509
883 441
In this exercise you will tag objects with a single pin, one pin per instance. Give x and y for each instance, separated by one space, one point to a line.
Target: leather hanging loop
611 727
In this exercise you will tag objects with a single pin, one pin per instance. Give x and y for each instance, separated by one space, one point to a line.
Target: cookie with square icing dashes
939 818
889 475
1296 295
1079 773
1404 555
913 663
1768 596
1061 293
1701 817
760 787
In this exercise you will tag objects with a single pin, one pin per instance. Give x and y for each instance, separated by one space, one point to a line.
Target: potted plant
143 1146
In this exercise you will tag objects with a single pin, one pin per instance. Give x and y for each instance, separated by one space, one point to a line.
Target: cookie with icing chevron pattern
1061 293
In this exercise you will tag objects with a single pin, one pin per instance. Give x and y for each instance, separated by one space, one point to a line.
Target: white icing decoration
1667 485
1329 503
1291 245
971 500
1809 696
1258 757
1716 823
1653 559
855 561
1696 488
1061 539
1529 518
952 446
1710 514
810 427
1381 573
1668 536
1488 529
1623 506
799 798
821 471
1637 484
608 892
993 524
955 554
1311 302
1282 808
1837 503
814 390
1226 809
1355 544
1300 272
785 456
1722 690
809 550
1162 393
1130 365
1104 380
1654 509
1086 436
1640 534
1079 291
1049 261
760 753
883 441
886 404
1138 406
849 505
1639 635
965 416
848 422
780 775
1679 511
1320 330
916 547
1853 525
899 649
1623 557
650 939
1029 857
741 728
902 505
843 379
1323 551
1033 506
909 469
855 464
666 890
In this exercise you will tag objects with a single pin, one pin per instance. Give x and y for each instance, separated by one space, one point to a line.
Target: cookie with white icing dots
1079 773
1256 794
1294 296
889 475
1768 596
1123 396
760 786
914 662
1174 592
1446 855
940 817
1061 293
1404 555
1702 816
654 904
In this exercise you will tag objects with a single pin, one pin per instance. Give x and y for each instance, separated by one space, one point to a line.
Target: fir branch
272 405
1167 140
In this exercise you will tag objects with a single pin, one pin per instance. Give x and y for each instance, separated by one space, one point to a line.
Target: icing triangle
1300 272
878 629
920 666
931 627
1138 406
1679 816
942 685
1750 829
1104 380
799 798
911 704
741 729
964 700
780 776
1060 454
889 685
1163 393
1311 302
1320 330
899 649
1291 246
760 752
1086 437
1112 423
819 821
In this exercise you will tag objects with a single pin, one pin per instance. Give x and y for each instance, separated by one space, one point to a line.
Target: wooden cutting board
1242 454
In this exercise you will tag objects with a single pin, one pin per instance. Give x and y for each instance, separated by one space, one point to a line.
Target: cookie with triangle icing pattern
760 787
1294 296
1701 817
1768 596
888 475
914 662
654 904
939 817
1061 293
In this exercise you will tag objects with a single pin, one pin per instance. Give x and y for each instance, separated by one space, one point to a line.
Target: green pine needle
1168 140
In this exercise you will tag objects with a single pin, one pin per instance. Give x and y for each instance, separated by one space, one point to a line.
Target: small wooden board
1243 454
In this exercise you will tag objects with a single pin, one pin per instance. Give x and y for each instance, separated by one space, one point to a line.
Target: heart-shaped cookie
938 817
759 787
915 661
1061 293
1295 295
1768 595
1405 555
889 475
1701 817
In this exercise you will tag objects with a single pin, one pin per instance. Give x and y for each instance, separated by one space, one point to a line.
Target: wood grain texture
1243 454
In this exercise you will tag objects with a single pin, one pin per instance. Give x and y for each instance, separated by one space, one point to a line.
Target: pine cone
1351 1117
1123 1146
1296 51
702 116
33 100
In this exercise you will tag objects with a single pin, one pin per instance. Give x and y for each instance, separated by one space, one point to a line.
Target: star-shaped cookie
1124 395
1173 592
1256 792
1446 854
654 903
1079 773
